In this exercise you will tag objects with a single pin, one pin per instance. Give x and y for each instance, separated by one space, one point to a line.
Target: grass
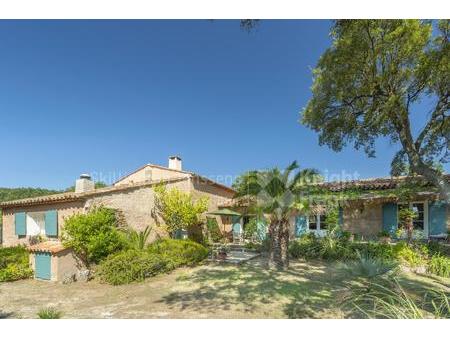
312 289
49 313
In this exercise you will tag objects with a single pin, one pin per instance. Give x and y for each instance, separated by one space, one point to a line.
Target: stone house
133 195
374 210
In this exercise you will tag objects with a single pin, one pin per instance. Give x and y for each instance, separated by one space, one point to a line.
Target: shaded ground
306 290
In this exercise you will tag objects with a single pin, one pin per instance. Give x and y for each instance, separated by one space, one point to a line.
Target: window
323 222
420 208
419 222
312 222
35 223
317 222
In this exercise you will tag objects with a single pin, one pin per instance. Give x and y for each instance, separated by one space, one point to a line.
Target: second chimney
175 163
84 184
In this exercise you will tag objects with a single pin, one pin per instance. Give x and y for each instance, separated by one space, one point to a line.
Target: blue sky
106 97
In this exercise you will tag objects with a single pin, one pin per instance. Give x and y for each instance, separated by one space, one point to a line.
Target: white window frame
318 231
425 213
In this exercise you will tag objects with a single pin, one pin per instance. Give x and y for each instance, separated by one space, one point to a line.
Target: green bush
132 265
94 235
307 246
14 264
381 251
159 257
330 247
179 252
410 255
213 230
251 229
439 265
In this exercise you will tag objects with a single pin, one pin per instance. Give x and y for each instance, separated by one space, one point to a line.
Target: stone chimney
175 163
84 184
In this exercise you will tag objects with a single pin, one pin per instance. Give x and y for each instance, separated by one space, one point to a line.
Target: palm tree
277 194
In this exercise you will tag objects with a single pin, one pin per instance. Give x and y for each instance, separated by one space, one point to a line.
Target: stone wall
367 220
137 205
216 195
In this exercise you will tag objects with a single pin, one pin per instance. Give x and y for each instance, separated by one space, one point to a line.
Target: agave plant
138 239
368 267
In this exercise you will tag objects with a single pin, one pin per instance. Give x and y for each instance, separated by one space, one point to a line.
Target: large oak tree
368 83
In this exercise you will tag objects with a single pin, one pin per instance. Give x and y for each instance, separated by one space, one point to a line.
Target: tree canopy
368 83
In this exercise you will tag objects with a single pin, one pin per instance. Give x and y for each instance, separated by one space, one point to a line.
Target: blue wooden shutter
51 223
390 222
300 225
261 229
20 219
437 218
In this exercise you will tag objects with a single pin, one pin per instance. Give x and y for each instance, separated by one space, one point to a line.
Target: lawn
307 290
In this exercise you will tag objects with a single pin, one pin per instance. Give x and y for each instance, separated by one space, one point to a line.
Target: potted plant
384 236
223 250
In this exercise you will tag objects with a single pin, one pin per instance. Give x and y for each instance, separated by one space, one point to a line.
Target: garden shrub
329 247
94 235
213 230
251 229
131 265
14 264
306 246
159 257
377 250
179 252
410 255
439 265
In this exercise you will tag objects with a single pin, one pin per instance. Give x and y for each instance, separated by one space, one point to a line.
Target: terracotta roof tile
49 246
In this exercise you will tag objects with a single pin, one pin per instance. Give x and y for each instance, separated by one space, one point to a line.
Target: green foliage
410 255
384 233
439 265
14 264
138 239
330 247
368 267
49 313
386 300
382 251
159 257
214 233
251 228
94 235
354 99
277 193
178 209
131 265
9 194
414 254
179 252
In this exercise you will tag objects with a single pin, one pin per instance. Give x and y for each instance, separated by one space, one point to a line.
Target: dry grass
306 290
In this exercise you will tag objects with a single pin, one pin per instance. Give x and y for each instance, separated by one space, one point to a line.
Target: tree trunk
279 244
418 166
434 177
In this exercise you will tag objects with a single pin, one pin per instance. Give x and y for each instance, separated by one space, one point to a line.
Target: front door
42 265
